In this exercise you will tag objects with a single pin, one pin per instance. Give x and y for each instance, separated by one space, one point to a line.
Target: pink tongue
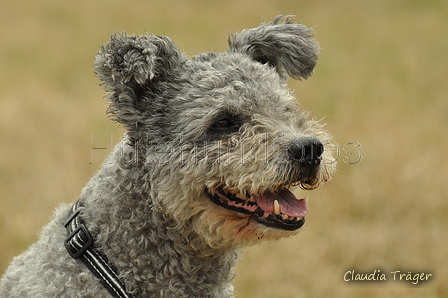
289 204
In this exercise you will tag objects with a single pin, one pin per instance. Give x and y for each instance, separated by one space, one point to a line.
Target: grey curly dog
216 150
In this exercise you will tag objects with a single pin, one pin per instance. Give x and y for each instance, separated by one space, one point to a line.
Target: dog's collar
79 244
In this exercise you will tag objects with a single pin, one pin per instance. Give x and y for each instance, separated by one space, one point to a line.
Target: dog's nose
306 151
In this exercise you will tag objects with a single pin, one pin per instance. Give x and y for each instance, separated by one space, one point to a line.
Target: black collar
79 244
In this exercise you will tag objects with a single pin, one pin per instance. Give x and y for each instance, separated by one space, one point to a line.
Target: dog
215 148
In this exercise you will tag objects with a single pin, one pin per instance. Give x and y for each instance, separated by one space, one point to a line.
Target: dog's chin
273 221
281 211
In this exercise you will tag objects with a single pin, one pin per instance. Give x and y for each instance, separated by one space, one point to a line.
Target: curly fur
217 120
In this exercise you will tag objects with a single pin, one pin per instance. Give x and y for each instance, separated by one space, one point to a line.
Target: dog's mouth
281 210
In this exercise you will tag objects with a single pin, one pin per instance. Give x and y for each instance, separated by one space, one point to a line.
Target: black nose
306 151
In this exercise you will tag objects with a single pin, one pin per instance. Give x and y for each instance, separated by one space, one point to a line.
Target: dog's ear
135 70
136 59
283 44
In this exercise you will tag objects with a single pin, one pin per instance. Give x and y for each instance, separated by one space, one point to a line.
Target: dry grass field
381 85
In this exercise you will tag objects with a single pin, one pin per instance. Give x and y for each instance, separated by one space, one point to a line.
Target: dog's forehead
233 77
226 68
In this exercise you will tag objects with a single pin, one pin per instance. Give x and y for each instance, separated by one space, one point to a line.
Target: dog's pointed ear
135 70
283 44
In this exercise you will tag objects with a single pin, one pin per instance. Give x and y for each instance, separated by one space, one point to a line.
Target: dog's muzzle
280 210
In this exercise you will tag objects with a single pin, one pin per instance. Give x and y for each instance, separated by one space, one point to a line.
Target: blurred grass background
380 83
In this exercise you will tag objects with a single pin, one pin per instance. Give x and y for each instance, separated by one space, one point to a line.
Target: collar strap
79 244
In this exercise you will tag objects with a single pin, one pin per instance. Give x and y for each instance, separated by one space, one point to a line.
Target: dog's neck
171 258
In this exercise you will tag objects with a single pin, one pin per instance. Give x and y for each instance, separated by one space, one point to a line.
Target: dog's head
218 142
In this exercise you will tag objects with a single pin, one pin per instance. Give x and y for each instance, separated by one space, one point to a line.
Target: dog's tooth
251 200
285 217
306 199
298 218
276 207
239 196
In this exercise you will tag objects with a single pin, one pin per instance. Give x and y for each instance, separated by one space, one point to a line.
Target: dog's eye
222 124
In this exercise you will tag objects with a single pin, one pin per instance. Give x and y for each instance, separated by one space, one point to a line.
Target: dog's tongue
289 204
